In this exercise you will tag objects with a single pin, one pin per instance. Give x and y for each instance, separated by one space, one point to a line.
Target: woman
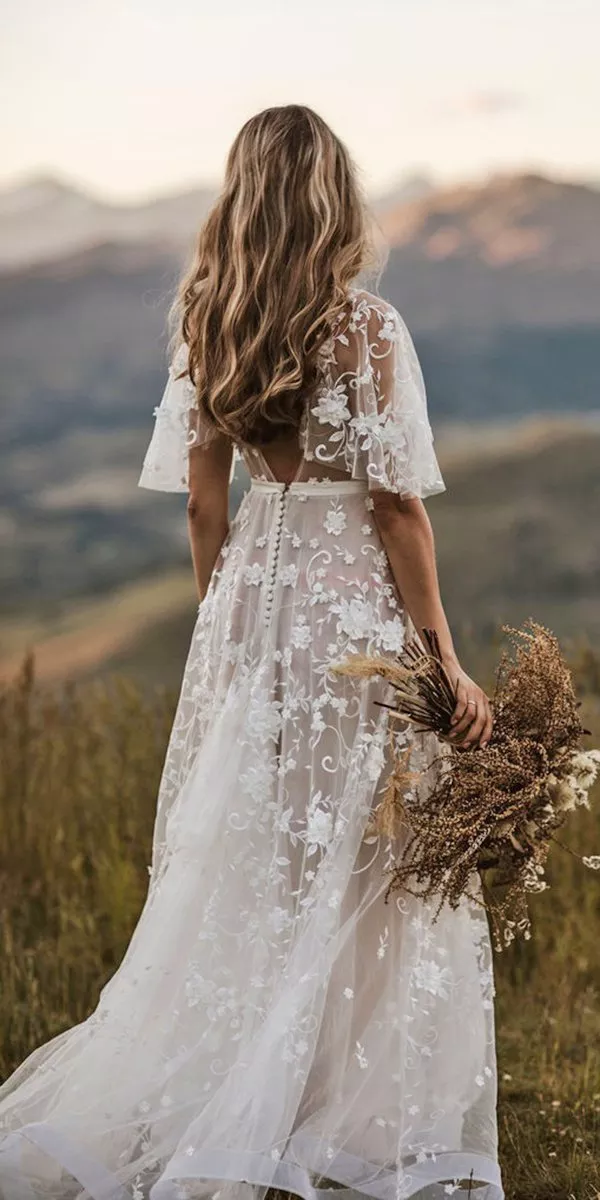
274 1022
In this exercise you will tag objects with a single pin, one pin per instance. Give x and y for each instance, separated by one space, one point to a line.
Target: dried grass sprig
493 810
423 692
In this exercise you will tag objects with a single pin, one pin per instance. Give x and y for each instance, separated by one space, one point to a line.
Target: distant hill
508 219
45 219
515 251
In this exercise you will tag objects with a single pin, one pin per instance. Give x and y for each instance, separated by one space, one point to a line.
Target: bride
274 1022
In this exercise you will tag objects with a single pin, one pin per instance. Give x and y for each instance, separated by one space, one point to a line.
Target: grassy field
79 768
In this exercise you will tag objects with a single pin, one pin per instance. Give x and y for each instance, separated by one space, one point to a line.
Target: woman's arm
407 537
208 506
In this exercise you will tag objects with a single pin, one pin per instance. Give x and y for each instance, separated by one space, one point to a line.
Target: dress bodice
367 418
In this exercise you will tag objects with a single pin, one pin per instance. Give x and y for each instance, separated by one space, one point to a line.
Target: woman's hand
472 718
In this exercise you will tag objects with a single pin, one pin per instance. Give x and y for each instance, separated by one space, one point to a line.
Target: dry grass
79 769
79 639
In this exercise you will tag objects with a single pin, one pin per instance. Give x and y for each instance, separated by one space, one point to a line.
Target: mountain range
44 218
499 283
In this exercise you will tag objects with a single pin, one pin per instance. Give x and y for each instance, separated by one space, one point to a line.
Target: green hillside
518 535
516 532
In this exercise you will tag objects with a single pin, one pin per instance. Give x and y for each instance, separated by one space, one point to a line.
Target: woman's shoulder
368 305
374 317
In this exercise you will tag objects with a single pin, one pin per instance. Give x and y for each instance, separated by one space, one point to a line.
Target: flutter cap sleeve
370 416
178 428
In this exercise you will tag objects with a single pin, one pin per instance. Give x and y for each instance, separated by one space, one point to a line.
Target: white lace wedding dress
274 1022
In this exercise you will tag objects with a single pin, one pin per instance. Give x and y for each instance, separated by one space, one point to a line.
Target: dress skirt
276 1022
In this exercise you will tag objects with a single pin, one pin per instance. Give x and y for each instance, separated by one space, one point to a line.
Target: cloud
484 103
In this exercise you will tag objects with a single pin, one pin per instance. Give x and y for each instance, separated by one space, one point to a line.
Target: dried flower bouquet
493 810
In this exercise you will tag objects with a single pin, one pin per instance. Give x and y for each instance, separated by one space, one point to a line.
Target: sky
135 97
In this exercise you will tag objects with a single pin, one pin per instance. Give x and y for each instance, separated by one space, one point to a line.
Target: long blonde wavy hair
288 233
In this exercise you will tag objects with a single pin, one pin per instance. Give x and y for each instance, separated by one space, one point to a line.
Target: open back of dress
367 421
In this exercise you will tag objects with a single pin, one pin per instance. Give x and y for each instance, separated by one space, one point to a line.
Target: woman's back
367 418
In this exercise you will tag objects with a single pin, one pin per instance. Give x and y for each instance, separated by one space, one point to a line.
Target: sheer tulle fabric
274 1021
